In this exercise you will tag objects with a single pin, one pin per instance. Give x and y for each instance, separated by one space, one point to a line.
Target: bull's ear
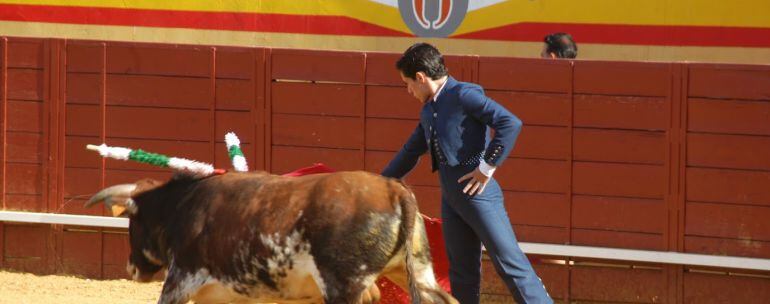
121 206
118 211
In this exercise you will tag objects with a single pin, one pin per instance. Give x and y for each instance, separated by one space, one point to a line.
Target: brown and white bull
322 238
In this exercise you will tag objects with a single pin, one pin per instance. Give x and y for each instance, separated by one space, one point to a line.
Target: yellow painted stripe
733 13
364 10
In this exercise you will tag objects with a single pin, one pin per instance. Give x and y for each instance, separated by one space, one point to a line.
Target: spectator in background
559 45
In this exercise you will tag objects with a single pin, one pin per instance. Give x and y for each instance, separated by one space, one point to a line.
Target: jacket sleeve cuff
493 154
486 169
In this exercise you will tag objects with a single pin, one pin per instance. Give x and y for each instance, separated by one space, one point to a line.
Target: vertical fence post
60 138
103 139
53 144
673 165
49 112
363 114
682 173
213 105
268 131
3 127
570 164
258 110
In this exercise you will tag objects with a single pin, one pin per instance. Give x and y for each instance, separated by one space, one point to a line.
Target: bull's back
237 206
341 193
356 191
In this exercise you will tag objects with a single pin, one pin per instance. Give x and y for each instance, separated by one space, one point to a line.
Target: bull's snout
137 275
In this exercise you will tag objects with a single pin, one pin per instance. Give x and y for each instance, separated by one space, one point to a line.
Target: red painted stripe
631 34
305 24
446 5
419 12
340 25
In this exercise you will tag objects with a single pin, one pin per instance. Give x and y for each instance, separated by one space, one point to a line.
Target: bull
322 238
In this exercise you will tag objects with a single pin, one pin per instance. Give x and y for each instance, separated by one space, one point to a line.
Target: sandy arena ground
24 288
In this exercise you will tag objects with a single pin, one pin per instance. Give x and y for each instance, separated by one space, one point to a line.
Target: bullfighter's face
418 86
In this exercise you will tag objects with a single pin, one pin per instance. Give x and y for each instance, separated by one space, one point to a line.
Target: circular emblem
433 18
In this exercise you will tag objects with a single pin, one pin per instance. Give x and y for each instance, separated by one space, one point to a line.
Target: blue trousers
469 222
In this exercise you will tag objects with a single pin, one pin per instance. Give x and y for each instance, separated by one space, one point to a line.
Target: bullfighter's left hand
478 181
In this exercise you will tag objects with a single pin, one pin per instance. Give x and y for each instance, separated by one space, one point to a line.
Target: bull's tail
408 217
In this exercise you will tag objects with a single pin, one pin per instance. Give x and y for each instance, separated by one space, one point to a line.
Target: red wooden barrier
659 156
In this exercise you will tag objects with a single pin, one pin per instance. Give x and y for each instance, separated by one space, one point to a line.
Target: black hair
422 57
561 44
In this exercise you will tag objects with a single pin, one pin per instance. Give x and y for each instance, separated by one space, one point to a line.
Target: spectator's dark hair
422 57
561 44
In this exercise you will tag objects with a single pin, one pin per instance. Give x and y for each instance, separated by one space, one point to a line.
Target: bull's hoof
371 295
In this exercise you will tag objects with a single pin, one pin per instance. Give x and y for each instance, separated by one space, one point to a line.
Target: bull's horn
117 198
